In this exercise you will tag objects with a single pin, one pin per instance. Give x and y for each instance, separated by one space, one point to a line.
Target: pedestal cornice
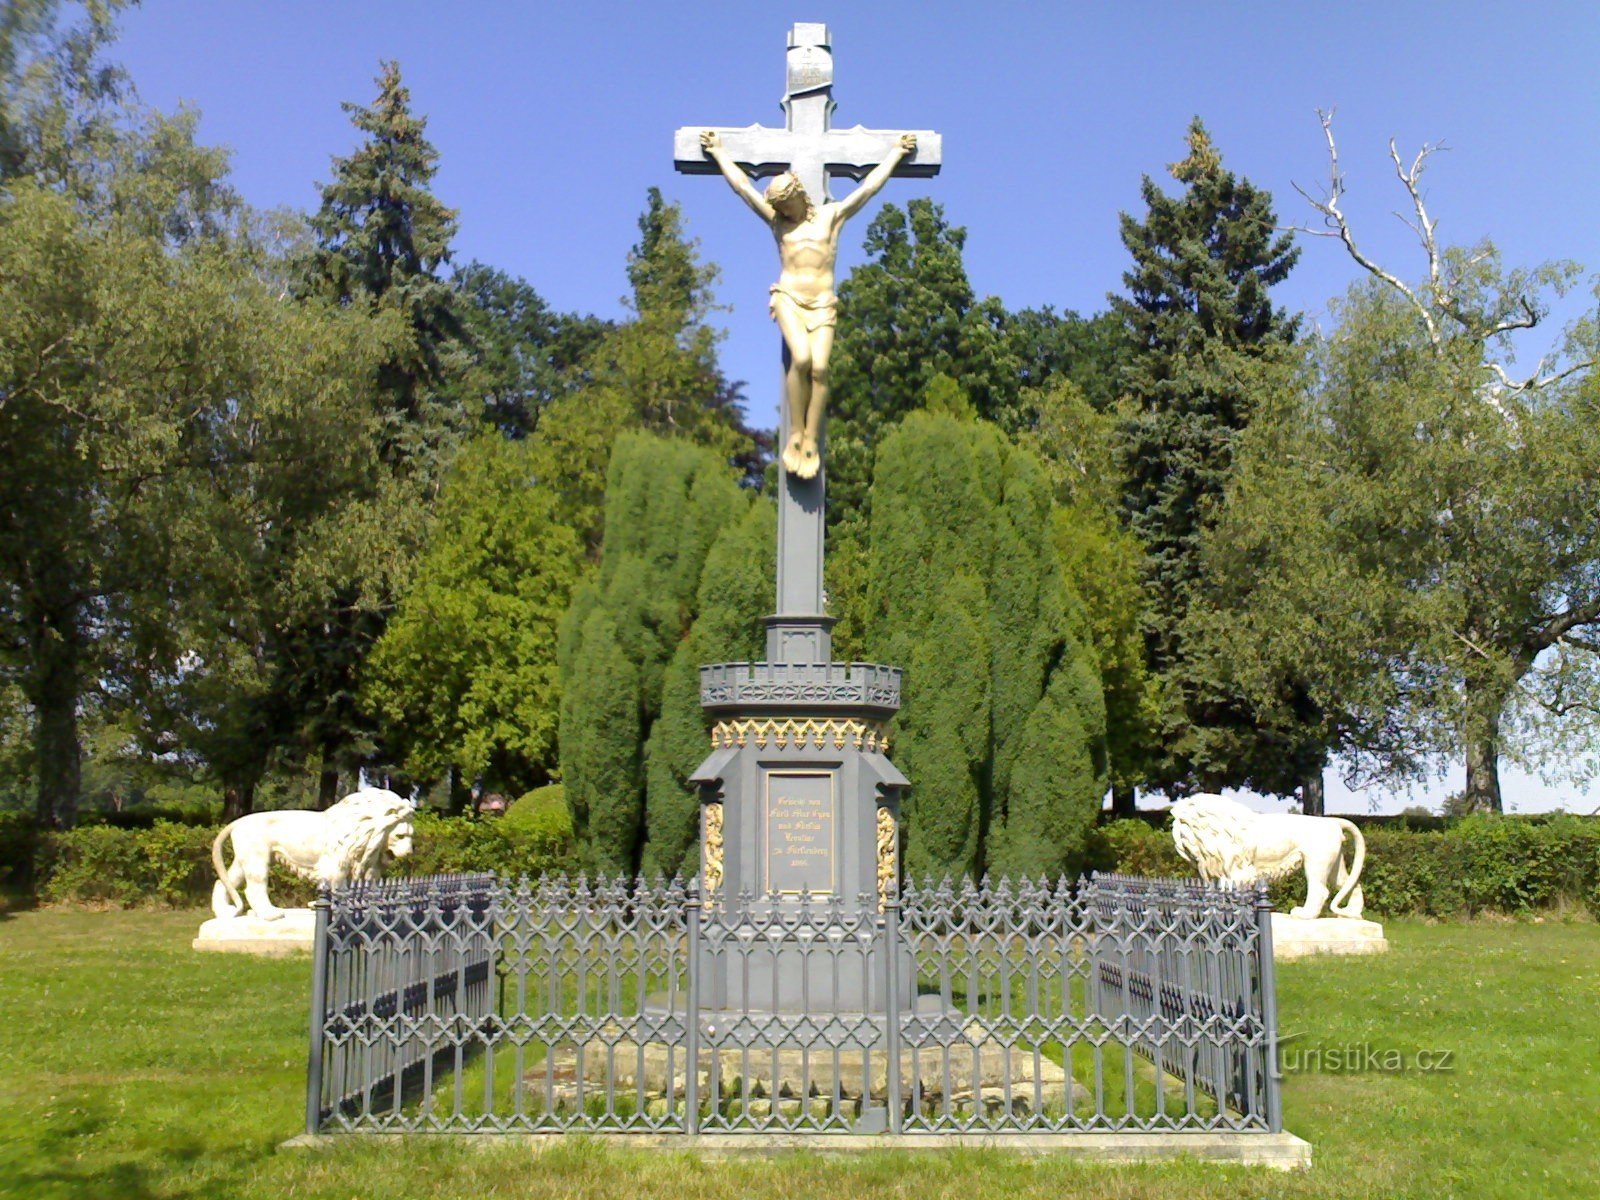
868 689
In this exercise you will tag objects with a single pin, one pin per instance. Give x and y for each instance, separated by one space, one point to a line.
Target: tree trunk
237 801
1488 692
327 785
1124 801
58 758
460 794
1483 769
1313 793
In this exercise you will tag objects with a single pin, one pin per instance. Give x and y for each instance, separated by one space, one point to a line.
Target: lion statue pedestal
352 840
1296 937
1228 842
293 931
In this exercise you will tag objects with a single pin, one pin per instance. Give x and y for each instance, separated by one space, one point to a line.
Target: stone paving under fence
475 1004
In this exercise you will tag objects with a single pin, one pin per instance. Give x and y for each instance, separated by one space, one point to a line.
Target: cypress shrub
736 589
1003 729
623 651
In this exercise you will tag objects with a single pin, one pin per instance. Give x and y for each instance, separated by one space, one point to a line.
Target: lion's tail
1350 882
234 899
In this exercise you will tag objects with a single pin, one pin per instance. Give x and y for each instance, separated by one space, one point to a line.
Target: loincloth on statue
818 312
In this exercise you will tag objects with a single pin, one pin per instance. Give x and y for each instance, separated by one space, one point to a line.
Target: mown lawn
134 1067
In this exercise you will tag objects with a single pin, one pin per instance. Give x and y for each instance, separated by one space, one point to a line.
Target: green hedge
169 864
1477 865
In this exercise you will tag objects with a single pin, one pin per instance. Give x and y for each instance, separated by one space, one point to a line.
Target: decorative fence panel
474 1004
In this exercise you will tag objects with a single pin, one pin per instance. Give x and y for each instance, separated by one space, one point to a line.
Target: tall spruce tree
1003 729
1203 330
382 239
659 371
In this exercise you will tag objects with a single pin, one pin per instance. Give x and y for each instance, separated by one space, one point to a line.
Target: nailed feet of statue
810 460
800 456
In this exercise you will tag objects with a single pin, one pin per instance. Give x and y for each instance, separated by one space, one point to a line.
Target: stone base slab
293 933
1296 938
789 1081
1279 1151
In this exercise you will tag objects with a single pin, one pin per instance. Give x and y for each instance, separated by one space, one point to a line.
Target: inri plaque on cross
805 154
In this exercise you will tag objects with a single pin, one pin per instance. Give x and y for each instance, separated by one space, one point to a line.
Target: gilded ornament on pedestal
888 854
820 732
711 848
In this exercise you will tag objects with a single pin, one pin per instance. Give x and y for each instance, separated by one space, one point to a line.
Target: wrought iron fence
471 1003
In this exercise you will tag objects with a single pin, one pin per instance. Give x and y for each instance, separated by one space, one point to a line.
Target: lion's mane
1217 836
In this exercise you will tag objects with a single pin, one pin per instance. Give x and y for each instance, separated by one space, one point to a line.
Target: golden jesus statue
803 301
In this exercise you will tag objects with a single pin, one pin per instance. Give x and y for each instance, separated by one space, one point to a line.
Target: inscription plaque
799 829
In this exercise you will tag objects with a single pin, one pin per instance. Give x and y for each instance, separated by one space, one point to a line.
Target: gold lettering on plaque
800 832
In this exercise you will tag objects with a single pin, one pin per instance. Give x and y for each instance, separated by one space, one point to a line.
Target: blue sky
552 118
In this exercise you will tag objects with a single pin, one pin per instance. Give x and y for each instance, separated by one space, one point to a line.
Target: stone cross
808 145
815 152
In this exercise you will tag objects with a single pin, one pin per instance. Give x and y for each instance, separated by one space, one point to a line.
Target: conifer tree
667 501
906 316
383 238
735 592
659 371
1202 327
1003 729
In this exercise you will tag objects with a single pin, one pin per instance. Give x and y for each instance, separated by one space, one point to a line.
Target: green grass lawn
134 1067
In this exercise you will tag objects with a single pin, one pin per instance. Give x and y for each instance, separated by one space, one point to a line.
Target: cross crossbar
808 145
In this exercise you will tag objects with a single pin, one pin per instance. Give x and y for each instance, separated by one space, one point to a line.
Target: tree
1052 347
1104 566
907 315
1003 729
913 334
86 174
523 355
1421 518
465 673
661 368
666 502
1201 326
382 239
146 390
657 372
63 108
735 592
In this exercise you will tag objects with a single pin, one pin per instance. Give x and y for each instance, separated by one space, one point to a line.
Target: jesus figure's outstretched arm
879 175
734 174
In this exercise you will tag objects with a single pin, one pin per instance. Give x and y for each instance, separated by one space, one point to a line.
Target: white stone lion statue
352 840
1229 843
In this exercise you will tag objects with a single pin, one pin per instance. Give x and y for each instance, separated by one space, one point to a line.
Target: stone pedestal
1296 938
800 823
292 933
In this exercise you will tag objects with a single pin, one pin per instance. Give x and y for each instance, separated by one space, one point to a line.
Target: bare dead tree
1440 299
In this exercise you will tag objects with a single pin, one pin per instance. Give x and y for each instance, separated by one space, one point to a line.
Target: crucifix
804 156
